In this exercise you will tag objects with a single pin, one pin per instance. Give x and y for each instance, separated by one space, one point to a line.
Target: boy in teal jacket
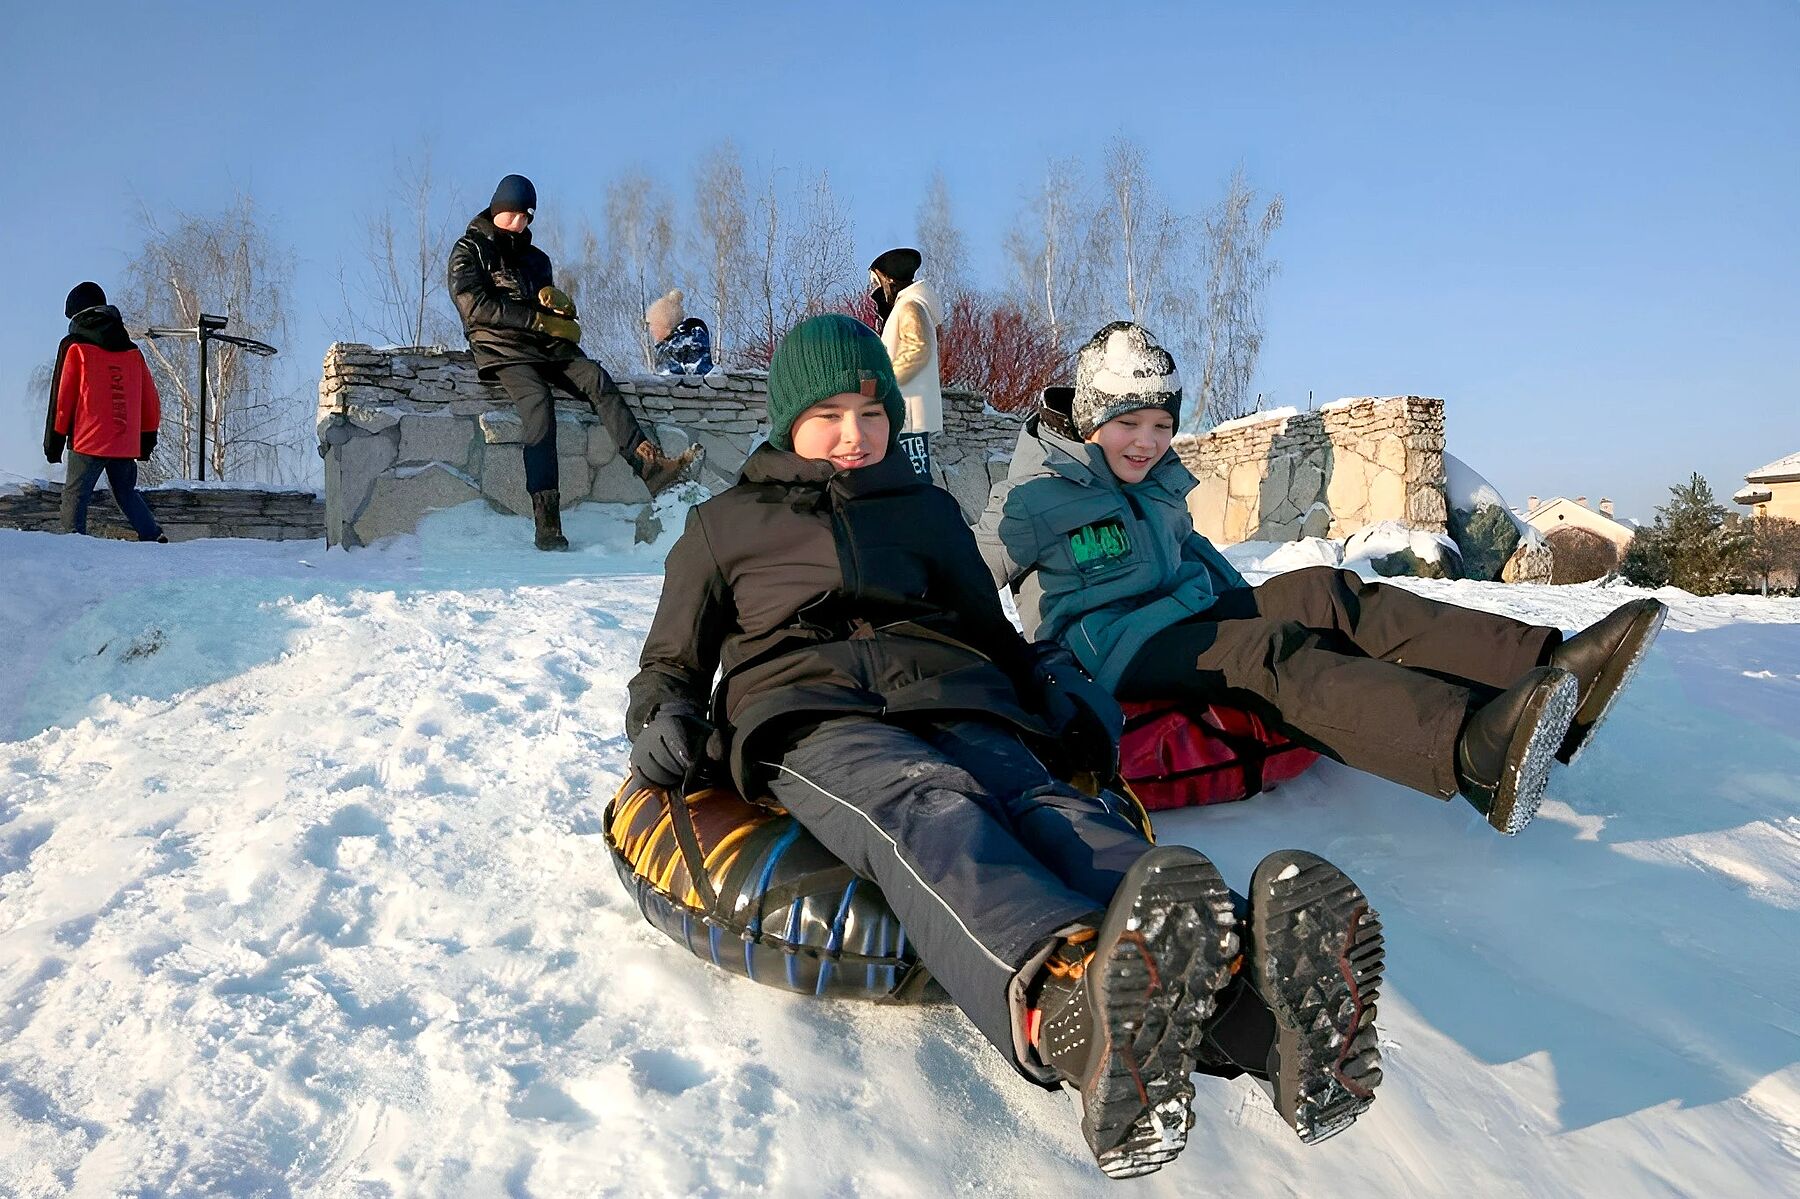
1092 531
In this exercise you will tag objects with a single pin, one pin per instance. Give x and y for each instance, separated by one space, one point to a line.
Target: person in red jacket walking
104 410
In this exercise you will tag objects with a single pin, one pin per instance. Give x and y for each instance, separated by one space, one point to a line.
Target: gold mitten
556 300
560 327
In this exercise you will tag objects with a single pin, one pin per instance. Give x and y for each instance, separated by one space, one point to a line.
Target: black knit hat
83 295
515 194
900 264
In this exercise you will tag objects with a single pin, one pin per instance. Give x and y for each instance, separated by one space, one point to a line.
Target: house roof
1555 502
1782 470
1753 495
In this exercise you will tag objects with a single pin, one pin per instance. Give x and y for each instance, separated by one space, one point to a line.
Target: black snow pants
983 854
1369 674
529 386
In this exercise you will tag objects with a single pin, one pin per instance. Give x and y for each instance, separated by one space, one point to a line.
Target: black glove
54 443
146 445
1084 718
669 746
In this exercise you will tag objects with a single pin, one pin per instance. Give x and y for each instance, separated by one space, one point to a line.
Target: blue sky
1576 223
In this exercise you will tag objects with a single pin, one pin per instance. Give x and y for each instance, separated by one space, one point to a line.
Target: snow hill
303 891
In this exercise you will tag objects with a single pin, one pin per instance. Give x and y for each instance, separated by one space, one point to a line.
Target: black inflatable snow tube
746 888
768 901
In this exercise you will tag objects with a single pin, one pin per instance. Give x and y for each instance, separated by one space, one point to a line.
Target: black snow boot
1603 657
546 511
1120 1014
1315 959
1504 753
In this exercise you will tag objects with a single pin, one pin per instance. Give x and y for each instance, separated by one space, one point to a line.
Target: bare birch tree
941 243
1055 251
394 292
763 324
721 242
640 242
820 252
224 263
1142 234
1236 270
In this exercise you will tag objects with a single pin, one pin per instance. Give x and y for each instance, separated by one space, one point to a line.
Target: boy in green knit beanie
875 689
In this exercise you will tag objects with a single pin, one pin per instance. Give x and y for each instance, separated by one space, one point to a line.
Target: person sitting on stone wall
1091 529
683 345
523 332
104 410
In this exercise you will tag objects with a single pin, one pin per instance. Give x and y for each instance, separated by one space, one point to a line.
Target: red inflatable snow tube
1176 757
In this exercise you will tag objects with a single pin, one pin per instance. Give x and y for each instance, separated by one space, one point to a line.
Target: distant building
1585 543
1773 490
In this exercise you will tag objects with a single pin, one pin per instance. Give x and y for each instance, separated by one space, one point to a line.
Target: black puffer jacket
827 592
495 277
100 326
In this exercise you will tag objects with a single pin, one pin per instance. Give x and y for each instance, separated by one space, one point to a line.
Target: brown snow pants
1369 674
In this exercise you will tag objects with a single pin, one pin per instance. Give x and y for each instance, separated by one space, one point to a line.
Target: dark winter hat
826 356
83 295
900 265
515 194
1121 370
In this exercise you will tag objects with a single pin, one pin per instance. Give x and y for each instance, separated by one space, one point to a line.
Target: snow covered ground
303 891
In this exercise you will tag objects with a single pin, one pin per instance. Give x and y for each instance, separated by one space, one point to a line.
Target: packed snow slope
303 891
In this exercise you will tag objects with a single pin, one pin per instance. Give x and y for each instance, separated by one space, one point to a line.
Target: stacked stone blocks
1320 474
408 430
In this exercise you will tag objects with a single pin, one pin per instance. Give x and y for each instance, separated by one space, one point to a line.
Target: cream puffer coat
911 337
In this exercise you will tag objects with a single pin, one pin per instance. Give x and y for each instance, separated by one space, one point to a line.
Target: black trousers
983 855
1369 674
530 387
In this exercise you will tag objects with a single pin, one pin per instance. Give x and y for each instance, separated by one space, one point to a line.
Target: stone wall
184 513
409 430
1327 473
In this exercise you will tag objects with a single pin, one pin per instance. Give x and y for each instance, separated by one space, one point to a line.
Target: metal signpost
209 330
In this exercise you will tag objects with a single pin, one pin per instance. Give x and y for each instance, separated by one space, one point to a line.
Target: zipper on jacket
1156 546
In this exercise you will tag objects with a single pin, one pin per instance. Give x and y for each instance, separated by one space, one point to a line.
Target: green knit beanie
825 356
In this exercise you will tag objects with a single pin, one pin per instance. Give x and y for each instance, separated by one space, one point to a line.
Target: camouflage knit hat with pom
826 356
1120 370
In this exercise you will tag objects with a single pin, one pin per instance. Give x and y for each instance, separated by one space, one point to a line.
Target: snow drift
303 891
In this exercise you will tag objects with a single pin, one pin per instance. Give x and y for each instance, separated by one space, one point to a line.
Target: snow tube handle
687 839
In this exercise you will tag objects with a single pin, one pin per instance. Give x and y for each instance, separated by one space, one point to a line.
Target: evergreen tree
1701 551
1645 564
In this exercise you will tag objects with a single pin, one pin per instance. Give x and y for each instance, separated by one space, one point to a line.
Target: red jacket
106 401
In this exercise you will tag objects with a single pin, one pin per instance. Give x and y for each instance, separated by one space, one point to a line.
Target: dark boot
546 511
1503 755
1603 657
659 471
1121 1015
1315 960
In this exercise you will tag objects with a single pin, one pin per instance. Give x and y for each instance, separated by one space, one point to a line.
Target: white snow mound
303 891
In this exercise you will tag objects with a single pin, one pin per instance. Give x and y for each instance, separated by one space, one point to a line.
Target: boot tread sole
1158 984
1317 958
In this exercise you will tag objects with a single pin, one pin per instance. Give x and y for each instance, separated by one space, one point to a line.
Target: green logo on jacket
1100 544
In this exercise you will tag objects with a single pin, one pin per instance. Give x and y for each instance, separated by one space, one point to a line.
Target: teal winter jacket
1098 565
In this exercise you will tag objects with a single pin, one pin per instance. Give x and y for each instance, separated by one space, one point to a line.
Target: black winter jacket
495 277
825 592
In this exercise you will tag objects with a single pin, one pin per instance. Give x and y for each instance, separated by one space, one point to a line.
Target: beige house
1586 543
1773 490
